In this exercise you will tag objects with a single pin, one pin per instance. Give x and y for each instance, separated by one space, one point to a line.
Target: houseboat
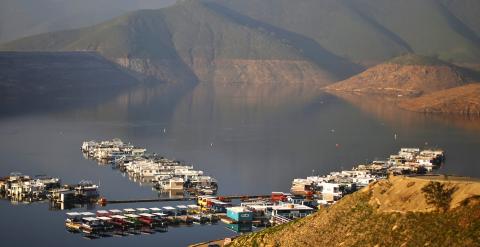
240 214
174 183
74 221
291 211
86 191
91 225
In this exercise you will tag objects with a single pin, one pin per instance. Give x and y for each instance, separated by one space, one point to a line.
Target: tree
439 195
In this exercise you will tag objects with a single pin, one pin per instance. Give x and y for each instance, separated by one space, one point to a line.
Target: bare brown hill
460 100
392 212
408 75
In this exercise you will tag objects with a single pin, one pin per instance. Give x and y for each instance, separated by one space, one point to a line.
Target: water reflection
385 109
253 138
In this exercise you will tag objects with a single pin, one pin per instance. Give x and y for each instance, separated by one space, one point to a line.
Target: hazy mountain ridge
185 42
372 31
20 18
253 41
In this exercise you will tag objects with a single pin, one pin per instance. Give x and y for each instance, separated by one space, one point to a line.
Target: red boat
279 196
120 222
153 220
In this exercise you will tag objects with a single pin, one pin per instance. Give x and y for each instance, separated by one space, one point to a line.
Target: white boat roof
193 206
104 218
160 214
132 215
90 219
239 209
259 207
289 207
169 208
147 215
87 214
182 206
209 197
115 211
129 210
118 216
142 209
155 209
102 212
218 202
73 214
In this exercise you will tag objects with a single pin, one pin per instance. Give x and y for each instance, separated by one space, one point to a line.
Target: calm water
253 139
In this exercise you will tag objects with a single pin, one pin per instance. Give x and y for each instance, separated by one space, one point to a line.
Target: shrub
439 195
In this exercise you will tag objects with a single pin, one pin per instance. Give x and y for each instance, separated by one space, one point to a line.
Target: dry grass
398 217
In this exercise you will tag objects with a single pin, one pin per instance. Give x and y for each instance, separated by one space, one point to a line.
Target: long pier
182 199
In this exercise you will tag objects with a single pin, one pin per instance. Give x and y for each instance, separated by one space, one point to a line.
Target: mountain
466 12
372 31
186 42
407 75
391 212
20 18
463 100
263 41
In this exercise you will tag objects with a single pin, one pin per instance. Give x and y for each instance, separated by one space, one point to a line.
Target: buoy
102 201
337 145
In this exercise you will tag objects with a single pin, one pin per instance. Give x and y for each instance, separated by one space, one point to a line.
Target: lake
253 138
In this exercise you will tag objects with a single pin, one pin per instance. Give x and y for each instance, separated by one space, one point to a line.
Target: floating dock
182 199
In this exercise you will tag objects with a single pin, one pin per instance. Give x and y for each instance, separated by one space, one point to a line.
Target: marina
164 174
22 188
257 149
237 215
330 188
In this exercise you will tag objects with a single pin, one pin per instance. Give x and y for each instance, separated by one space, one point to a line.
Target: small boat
200 218
115 211
120 222
153 220
174 183
91 225
73 222
107 223
104 213
134 219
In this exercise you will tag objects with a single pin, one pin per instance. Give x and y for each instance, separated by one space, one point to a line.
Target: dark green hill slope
467 12
369 31
426 26
332 24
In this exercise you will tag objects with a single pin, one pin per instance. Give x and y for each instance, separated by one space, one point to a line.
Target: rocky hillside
392 212
408 75
265 41
459 100
186 42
